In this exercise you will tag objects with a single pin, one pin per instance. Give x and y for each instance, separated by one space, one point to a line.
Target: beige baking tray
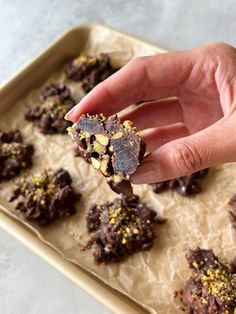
31 77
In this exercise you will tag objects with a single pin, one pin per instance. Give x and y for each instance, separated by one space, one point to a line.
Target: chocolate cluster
90 70
121 228
110 146
48 114
45 197
14 154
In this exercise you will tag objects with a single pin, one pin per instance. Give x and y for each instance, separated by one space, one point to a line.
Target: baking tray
17 88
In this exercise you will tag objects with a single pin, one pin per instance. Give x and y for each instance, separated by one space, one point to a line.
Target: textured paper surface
150 277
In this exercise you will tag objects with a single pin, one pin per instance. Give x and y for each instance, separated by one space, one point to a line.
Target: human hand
194 131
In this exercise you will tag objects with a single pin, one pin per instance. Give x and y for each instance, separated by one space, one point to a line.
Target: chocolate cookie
185 186
14 155
90 70
45 197
120 228
110 146
212 287
48 114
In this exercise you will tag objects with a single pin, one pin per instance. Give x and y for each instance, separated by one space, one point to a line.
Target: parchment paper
150 277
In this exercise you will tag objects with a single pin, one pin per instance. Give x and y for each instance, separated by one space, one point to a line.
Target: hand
196 130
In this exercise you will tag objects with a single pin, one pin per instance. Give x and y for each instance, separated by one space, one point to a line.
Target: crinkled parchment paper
150 277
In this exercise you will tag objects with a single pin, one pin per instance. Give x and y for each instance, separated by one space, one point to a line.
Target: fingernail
69 113
147 172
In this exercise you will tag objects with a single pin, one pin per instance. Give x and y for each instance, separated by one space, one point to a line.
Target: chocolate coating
90 70
185 186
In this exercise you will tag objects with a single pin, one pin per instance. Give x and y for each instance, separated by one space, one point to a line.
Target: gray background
27 283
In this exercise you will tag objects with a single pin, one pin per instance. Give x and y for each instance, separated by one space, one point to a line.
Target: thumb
209 147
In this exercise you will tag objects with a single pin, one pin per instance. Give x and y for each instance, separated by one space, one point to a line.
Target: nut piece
102 139
117 135
128 124
104 167
98 148
96 164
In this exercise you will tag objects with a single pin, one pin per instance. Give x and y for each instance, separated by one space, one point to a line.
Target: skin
192 131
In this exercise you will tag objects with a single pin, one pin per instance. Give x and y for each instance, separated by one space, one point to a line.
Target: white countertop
28 285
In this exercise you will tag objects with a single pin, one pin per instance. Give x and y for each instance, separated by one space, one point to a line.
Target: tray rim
114 300
22 69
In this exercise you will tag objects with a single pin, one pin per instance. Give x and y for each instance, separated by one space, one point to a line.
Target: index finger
143 78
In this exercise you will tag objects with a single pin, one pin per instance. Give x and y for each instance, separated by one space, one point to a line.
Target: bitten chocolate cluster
121 228
212 286
90 70
110 146
48 114
14 155
46 196
185 186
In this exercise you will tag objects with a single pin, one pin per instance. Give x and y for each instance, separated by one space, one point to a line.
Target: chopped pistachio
102 139
128 124
97 148
89 148
117 178
85 59
104 167
86 134
96 163
113 221
117 135
69 130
